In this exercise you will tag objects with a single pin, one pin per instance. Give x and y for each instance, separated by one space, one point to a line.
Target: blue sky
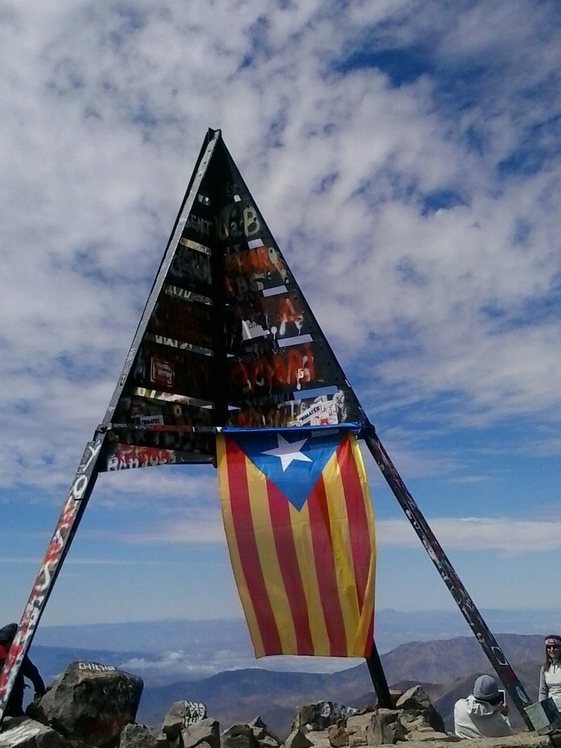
406 157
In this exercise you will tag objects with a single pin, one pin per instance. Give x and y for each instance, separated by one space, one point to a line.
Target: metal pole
57 549
379 678
482 633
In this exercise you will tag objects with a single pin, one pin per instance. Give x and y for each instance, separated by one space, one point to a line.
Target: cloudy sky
406 156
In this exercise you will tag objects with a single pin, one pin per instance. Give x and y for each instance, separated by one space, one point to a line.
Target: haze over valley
212 661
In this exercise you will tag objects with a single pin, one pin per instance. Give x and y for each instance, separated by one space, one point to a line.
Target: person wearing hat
550 672
14 707
483 714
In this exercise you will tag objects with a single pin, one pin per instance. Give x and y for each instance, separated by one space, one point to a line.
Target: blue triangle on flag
292 459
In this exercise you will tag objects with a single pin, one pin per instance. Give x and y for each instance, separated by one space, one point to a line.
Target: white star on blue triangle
293 460
288 451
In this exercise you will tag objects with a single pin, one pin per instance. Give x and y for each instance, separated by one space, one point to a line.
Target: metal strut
496 656
379 678
70 516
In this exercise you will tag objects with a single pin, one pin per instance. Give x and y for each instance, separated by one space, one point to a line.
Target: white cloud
199 529
502 534
72 561
106 106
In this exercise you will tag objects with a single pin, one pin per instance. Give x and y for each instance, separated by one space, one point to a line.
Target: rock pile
94 706
414 718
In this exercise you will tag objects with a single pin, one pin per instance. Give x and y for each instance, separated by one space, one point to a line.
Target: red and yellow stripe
305 578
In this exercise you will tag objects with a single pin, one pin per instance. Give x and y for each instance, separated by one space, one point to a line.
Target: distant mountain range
164 652
446 668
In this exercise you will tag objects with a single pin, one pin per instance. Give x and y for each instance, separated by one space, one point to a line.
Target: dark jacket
14 708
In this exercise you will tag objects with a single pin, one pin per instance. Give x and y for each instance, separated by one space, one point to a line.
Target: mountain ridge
445 667
452 665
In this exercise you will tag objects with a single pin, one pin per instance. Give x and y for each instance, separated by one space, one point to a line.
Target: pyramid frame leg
489 644
69 519
378 677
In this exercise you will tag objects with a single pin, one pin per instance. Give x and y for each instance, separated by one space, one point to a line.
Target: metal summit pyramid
226 339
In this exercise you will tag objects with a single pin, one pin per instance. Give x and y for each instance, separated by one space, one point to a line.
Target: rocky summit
94 706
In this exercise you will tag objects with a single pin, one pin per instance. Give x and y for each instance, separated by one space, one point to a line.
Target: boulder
90 702
337 735
264 736
385 727
297 739
181 714
412 721
238 736
205 734
358 727
140 736
415 701
321 715
318 738
414 698
23 732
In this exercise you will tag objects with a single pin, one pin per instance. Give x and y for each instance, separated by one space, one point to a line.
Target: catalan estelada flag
300 532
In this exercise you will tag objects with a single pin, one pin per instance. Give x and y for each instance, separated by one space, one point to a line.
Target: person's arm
501 726
543 690
507 727
29 670
503 709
